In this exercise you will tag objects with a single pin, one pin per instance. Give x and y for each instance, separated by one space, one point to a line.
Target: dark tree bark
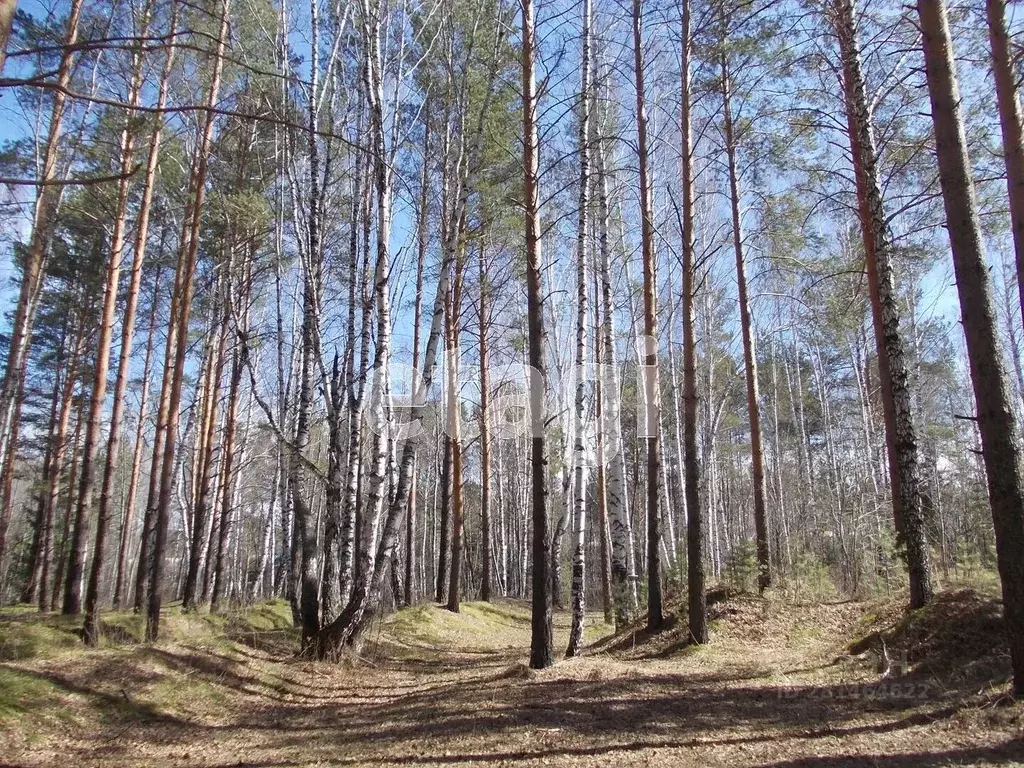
541 648
696 600
1000 441
42 527
422 240
454 422
239 310
330 603
444 522
1010 124
55 463
764 576
901 433
652 395
557 588
49 599
485 439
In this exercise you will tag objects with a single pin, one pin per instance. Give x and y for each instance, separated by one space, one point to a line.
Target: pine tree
541 651
1000 441
901 432
696 598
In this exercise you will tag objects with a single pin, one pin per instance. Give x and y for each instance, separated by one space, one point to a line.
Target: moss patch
22 692
959 634
28 636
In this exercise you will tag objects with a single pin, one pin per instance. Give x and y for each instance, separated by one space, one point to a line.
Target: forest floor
783 683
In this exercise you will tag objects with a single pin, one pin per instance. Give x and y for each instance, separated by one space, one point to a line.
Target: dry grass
777 686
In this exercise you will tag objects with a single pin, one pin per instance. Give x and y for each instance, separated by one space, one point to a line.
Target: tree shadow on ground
279 642
494 718
116 707
1007 753
410 704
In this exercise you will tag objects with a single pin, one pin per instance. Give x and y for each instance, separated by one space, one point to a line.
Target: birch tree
651 387
579 479
541 652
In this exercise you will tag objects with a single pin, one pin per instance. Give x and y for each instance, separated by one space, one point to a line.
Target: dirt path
766 693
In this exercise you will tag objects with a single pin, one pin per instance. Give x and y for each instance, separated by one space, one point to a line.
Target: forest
371 335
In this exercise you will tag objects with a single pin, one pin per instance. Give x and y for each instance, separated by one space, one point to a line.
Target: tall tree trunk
49 599
128 519
203 476
1010 325
370 582
422 240
675 504
350 500
1000 441
696 600
305 526
257 583
55 467
901 434
1010 124
652 395
374 560
541 650
181 306
454 428
785 550
128 325
600 490
32 270
557 537
237 299
623 568
444 522
7 9
448 229
764 576
579 562
220 579
333 492
90 452
30 592
486 554
144 572
279 581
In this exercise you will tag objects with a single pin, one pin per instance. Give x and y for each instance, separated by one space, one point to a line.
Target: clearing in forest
782 684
